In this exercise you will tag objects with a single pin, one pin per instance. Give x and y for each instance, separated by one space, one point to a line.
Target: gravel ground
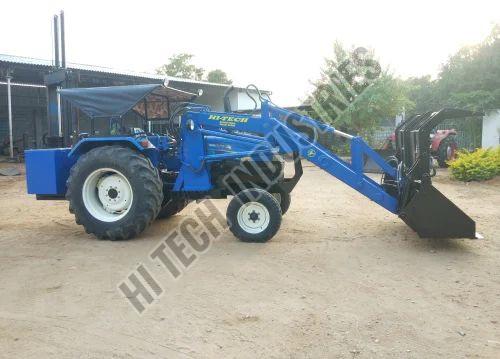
342 279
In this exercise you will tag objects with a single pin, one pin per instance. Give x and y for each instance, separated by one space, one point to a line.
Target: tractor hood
151 101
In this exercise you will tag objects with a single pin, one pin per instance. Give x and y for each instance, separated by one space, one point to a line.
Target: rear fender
439 136
89 143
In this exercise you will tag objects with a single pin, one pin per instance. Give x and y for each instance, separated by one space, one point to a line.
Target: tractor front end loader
422 206
118 184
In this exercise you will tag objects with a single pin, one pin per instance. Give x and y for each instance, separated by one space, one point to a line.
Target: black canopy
151 100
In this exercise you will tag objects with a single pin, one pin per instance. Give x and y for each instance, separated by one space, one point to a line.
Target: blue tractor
118 183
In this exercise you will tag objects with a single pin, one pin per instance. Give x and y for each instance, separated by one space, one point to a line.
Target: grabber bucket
421 206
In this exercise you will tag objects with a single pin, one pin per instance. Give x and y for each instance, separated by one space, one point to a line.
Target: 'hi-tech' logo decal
229 121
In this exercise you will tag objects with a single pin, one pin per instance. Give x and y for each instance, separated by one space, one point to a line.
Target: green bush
480 165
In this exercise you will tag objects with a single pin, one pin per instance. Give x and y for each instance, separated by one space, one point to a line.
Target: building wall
491 129
213 96
29 107
28 113
245 102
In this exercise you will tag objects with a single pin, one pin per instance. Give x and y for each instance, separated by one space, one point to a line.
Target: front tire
284 199
114 192
254 215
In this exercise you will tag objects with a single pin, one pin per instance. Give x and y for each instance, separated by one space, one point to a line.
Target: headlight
190 125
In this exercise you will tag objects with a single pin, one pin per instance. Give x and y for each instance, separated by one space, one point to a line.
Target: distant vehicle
443 145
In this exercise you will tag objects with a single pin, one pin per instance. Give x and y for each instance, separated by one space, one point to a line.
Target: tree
355 94
218 76
384 99
422 91
180 65
469 79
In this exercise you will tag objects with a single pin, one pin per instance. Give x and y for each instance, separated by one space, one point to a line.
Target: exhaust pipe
57 64
63 40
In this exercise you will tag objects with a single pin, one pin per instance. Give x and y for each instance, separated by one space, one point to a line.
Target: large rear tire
254 215
446 152
114 192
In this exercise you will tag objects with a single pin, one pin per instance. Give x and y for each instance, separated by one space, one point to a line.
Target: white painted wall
214 95
491 129
245 103
238 98
400 118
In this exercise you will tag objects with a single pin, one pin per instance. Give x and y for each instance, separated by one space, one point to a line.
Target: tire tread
147 207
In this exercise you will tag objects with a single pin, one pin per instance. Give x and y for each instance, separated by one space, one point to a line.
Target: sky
277 45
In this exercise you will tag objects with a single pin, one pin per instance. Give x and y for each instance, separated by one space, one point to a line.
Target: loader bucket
432 215
421 206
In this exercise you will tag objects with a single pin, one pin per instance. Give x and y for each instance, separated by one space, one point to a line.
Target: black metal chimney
63 42
56 42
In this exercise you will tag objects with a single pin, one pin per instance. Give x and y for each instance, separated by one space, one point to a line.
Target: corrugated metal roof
25 60
106 70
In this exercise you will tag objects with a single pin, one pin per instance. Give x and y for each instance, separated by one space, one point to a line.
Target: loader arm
275 131
290 140
407 193
419 204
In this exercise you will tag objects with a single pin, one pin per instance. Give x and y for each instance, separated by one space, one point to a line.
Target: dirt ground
342 279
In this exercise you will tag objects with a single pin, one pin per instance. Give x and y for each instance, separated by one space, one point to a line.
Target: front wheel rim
107 195
253 217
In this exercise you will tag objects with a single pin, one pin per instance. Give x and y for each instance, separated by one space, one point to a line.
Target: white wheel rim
253 217
107 195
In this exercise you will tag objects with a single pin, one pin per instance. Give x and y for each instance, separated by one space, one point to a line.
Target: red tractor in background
443 145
